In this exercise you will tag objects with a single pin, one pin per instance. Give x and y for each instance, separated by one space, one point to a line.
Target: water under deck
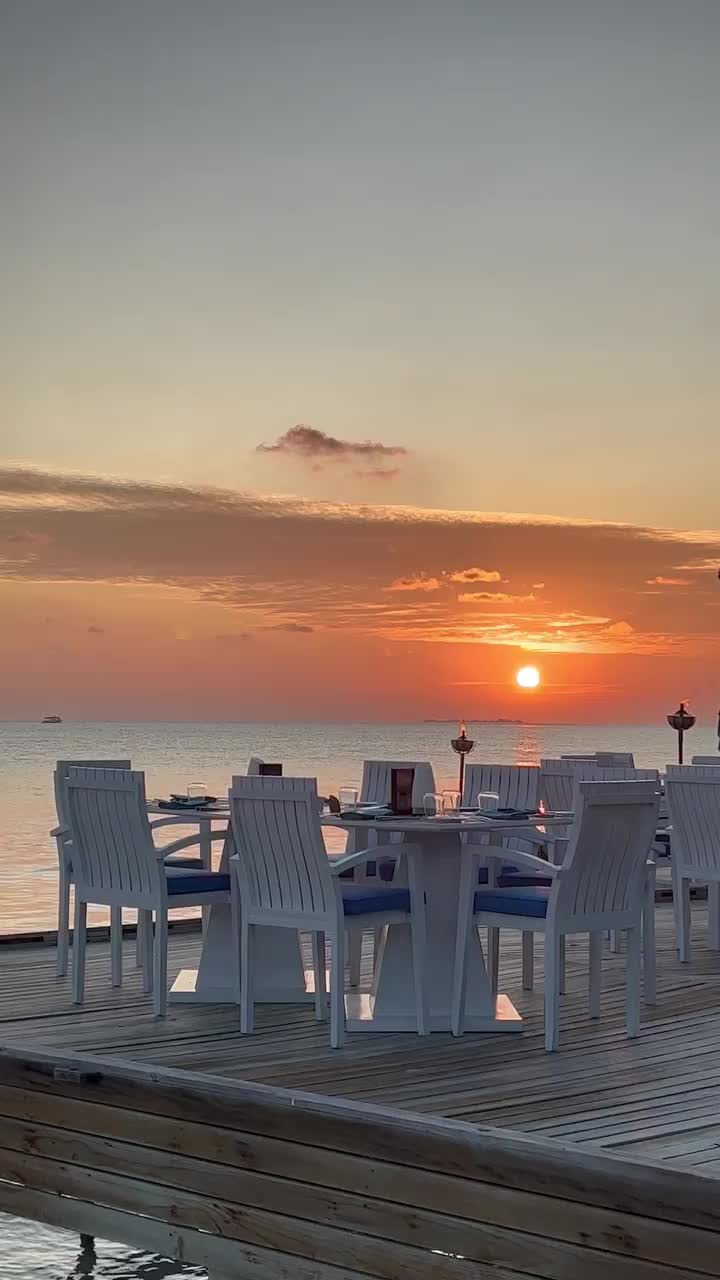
654 1098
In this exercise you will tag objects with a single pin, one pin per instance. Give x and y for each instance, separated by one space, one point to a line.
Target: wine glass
196 790
348 796
432 804
488 801
450 803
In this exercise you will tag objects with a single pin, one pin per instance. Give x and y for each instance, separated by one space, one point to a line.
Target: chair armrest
176 845
366 855
516 856
182 820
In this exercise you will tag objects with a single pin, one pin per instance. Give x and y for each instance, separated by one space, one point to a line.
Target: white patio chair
116 864
600 885
61 835
693 796
284 879
376 788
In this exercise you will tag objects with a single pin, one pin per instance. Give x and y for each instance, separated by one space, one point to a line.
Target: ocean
175 755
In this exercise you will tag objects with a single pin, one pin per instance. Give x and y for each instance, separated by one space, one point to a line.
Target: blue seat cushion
183 881
513 902
514 878
361 899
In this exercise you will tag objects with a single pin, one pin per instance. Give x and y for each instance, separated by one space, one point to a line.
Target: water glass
432 804
451 802
196 790
488 801
348 796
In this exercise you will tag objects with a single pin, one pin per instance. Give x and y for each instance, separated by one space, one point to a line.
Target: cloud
538 586
296 565
497 597
296 628
96 631
412 583
661 581
318 448
233 637
475 575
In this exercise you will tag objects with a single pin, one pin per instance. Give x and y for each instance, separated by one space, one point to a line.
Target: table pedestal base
361 1016
280 974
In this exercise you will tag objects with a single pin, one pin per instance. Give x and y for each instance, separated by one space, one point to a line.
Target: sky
354 355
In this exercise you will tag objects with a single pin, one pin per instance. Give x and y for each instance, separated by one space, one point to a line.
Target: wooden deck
653 1099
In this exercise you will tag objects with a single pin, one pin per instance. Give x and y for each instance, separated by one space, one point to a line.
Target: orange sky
128 599
410 261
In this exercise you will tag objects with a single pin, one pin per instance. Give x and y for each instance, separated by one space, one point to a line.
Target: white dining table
439 844
281 974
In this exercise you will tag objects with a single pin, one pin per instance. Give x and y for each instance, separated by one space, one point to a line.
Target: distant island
454 721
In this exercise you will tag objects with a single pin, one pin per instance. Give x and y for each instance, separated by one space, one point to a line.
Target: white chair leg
676 899
160 964
552 991
247 977
116 941
319 972
354 946
337 990
648 940
493 958
145 919
79 946
63 935
562 966
465 925
235 930
632 983
595 973
684 921
139 941
714 916
528 960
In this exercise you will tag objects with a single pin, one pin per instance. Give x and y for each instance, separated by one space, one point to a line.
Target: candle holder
681 721
463 746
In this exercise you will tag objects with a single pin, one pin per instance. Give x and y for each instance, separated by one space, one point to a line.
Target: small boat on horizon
52 720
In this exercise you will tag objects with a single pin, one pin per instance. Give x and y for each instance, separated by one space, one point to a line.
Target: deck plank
653 1098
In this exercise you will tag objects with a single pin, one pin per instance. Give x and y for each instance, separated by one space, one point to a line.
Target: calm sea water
174 755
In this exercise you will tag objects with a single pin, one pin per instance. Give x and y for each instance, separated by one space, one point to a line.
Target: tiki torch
463 746
680 721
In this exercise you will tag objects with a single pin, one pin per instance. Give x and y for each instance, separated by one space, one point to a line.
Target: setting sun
528 677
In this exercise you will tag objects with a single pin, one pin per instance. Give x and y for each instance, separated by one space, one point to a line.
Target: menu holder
401 792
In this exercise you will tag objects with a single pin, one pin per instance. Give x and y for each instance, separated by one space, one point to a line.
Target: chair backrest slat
60 777
559 779
111 838
606 759
282 863
376 786
693 797
605 865
712 762
515 784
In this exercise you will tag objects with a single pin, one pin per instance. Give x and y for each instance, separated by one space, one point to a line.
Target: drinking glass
488 801
196 790
432 804
348 796
451 802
